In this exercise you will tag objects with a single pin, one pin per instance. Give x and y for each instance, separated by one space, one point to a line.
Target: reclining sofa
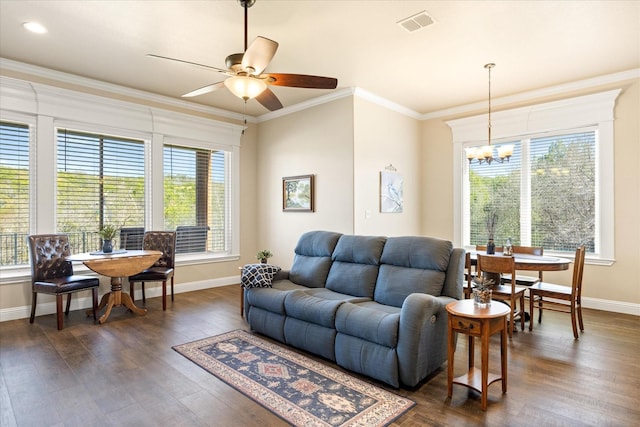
374 305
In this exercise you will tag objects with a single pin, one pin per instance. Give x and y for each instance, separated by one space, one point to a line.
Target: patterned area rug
300 390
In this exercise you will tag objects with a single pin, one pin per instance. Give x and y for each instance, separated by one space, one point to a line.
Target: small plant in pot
482 291
108 232
264 255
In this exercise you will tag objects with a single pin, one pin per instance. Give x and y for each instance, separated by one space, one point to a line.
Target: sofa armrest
281 275
422 336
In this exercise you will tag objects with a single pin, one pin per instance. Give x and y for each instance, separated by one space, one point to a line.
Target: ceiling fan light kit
245 87
484 154
246 80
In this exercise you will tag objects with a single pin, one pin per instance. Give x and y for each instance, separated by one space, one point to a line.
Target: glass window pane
195 199
14 193
494 191
563 203
100 180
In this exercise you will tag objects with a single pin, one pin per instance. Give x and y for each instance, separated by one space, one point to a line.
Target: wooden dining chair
526 280
52 274
565 299
163 269
468 288
510 293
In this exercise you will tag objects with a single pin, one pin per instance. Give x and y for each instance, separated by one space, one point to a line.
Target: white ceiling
535 44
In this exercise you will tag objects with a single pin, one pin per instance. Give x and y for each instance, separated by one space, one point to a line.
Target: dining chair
162 270
526 280
468 288
131 238
565 299
511 293
52 274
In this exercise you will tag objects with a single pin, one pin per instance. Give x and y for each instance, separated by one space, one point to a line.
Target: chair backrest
530 250
578 270
191 238
131 238
496 264
483 248
468 274
164 241
47 255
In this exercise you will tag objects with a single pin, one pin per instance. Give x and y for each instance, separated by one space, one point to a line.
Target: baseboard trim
152 289
14 313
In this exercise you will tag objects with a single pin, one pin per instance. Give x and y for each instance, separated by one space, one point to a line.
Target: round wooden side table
467 318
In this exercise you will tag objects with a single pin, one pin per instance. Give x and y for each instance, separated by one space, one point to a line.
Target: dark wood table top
532 262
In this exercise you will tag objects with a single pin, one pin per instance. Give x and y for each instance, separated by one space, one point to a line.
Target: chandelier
485 154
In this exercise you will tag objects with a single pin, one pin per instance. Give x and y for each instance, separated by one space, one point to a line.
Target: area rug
300 390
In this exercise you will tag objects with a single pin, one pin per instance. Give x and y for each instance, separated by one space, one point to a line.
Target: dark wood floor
124 373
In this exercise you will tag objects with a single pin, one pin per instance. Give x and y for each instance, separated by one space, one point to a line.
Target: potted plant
108 232
482 291
264 255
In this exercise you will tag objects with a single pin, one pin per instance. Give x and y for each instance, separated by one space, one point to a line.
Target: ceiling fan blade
269 100
203 90
301 80
259 54
220 70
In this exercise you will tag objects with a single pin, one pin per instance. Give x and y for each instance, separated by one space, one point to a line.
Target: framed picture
391 200
297 193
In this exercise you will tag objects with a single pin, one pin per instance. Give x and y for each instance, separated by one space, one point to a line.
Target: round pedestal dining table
116 265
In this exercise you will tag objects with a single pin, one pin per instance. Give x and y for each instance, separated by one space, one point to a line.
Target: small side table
466 318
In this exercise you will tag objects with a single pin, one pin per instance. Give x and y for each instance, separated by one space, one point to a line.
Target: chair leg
144 299
579 308
522 311
131 291
164 295
59 311
540 309
94 293
34 301
531 307
66 311
171 288
573 314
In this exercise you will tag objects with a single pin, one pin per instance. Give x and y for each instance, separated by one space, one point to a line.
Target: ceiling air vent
416 22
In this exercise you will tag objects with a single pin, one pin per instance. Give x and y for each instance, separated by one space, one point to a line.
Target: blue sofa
374 305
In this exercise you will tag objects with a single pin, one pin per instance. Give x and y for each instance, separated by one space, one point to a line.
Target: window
14 193
544 196
195 198
557 189
71 161
100 180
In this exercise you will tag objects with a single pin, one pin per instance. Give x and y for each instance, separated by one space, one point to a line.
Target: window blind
195 199
14 193
100 180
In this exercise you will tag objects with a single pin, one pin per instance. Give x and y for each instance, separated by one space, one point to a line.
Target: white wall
316 141
384 137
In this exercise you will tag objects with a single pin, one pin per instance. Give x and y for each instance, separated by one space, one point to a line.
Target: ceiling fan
245 70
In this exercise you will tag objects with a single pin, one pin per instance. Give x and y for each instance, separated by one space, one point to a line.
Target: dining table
530 262
116 265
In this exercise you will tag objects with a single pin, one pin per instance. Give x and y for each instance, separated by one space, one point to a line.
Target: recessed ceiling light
34 27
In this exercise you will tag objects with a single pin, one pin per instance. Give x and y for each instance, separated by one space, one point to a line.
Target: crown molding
118 90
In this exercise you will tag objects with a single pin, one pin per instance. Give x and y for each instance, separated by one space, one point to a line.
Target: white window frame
596 110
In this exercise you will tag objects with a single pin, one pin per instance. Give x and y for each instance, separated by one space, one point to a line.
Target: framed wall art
297 193
391 200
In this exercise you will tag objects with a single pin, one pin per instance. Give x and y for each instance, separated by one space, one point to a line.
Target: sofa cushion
312 309
271 299
325 293
377 326
312 258
355 265
411 264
